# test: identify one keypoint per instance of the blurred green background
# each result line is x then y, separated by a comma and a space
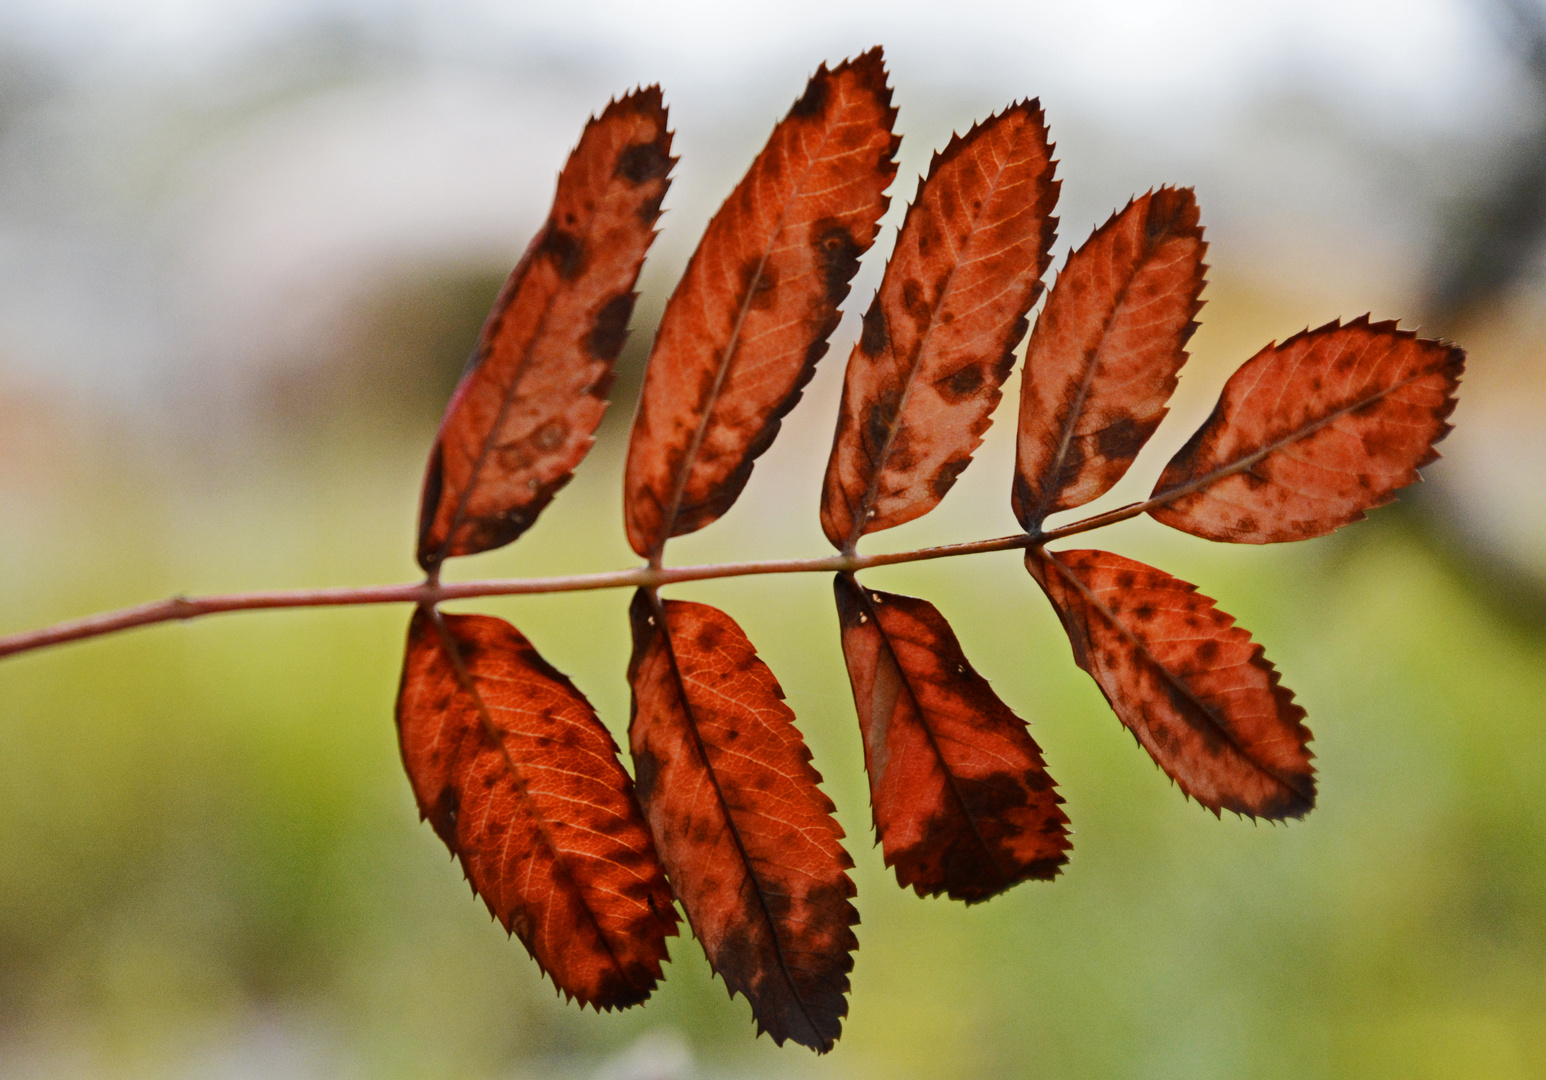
243, 258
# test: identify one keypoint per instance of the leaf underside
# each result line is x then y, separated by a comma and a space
747, 837
516, 774
525, 413
961, 798
1105, 353
939, 337
1310, 434
741, 335
1192, 687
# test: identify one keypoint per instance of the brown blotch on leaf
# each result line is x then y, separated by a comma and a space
961, 384
566, 251
873, 340
610, 331
838, 254
759, 280
643, 163
1123, 438
814, 100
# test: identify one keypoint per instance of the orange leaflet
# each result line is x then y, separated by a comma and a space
939, 337
742, 333
747, 837
962, 800
1105, 352
510, 765
1188, 683
1309, 434
525, 412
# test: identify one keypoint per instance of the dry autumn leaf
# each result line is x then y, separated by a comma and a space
525, 412
1105, 352
962, 801
1190, 685
511, 766
747, 837
741, 335
939, 337
1309, 434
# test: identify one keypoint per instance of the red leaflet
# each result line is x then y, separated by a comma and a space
1309, 434
747, 837
1105, 352
524, 414
510, 765
962, 800
939, 337
742, 333
1188, 683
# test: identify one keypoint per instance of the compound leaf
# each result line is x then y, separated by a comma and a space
1309, 434
747, 837
939, 337
525, 412
1188, 683
1103, 358
516, 774
741, 335
962, 801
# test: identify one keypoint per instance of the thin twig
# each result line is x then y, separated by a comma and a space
183, 608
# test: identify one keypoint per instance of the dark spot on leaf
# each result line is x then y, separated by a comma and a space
646, 770
814, 352
551, 435
442, 816
874, 339
837, 253
1208, 651
710, 635
565, 250
649, 209
913, 301
990, 796
1123, 439
758, 280
610, 331
882, 414
642, 163
1167, 207
814, 100
948, 473
960, 384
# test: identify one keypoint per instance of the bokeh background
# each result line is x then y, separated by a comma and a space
244, 250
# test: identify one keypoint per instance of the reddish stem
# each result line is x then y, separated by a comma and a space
181, 608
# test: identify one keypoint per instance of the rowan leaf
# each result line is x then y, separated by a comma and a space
516, 774
1310, 434
747, 837
741, 335
939, 337
526, 410
961, 798
1190, 685
1103, 358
